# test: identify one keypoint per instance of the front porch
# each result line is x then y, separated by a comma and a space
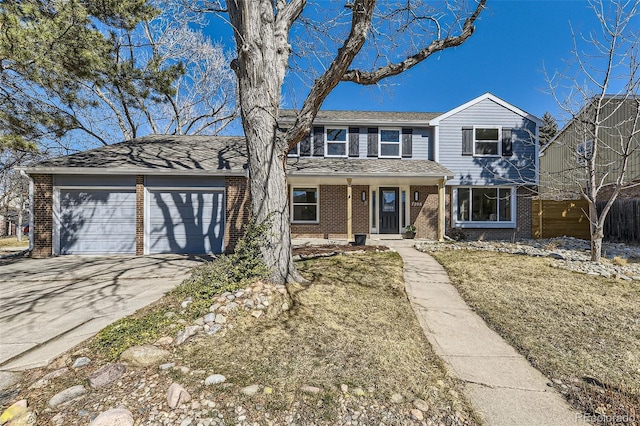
336, 209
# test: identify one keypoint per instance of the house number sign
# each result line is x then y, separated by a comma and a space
416, 204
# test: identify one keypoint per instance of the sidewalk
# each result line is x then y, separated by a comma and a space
503, 387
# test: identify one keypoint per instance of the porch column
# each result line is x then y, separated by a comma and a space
349, 211
441, 211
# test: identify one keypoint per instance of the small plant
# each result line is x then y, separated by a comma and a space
228, 272
410, 228
620, 261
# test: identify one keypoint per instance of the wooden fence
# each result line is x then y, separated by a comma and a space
623, 221
552, 218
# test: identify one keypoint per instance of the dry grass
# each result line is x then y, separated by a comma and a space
571, 326
353, 326
13, 242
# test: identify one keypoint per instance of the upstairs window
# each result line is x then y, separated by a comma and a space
487, 141
389, 143
336, 141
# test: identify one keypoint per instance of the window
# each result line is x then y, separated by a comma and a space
584, 151
295, 151
485, 205
389, 143
304, 205
336, 142
486, 141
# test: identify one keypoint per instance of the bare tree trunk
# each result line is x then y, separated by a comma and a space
19, 227
263, 54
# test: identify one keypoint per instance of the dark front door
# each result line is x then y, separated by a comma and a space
389, 223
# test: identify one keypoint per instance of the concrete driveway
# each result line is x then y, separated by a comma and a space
50, 305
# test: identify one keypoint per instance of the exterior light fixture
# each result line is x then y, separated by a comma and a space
416, 196
364, 196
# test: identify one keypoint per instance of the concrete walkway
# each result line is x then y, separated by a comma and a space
50, 305
501, 384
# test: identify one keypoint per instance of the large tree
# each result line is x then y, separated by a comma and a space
548, 129
96, 72
600, 93
359, 41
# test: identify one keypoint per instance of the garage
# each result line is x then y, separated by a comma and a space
184, 215
90, 220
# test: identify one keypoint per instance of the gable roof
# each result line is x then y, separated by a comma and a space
216, 155
363, 117
436, 120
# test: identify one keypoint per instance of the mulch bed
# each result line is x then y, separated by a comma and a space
332, 249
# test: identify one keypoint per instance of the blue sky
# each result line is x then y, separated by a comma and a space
514, 41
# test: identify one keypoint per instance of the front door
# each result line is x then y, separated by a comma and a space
389, 215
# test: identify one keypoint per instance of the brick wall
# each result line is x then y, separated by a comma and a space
42, 216
424, 213
237, 209
333, 214
523, 222
139, 215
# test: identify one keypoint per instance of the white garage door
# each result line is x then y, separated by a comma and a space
97, 221
185, 221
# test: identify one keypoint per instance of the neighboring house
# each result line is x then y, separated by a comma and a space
563, 159
356, 173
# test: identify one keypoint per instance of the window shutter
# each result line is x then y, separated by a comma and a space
305, 146
354, 142
372, 142
407, 143
467, 141
318, 141
507, 142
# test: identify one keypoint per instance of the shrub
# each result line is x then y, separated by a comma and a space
228, 272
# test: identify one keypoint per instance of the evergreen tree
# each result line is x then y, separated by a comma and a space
549, 128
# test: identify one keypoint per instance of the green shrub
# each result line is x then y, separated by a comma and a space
228, 272
114, 339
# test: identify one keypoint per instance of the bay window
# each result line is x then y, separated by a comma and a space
482, 206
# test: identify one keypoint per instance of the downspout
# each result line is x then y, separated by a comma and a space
31, 231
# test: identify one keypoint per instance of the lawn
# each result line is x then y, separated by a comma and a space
581, 331
351, 334
13, 242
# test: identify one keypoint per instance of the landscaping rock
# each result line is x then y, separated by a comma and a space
396, 398
213, 329
256, 314
164, 341
417, 414
106, 374
220, 319
344, 388
81, 362
114, 417
48, 377
250, 390
186, 334
167, 366
18, 414
421, 405
209, 318
311, 390
67, 395
8, 379
177, 395
358, 392
214, 379
144, 355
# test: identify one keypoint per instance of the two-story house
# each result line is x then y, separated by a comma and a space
356, 173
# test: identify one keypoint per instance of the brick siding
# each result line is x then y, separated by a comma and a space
424, 213
42, 215
139, 215
333, 214
237, 209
